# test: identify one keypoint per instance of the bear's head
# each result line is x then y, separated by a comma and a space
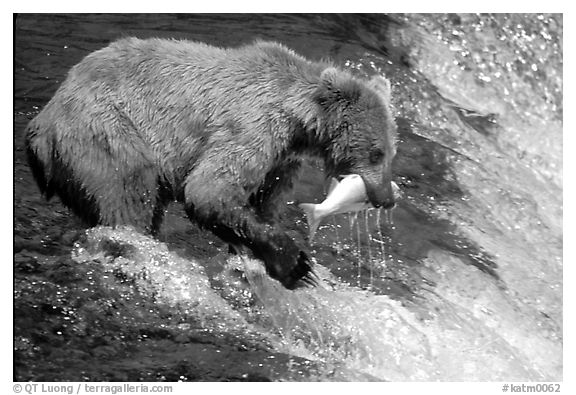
358, 131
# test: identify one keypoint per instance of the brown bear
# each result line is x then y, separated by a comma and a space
140, 123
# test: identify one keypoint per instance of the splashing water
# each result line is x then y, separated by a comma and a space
379, 336
349, 330
368, 243
179, 283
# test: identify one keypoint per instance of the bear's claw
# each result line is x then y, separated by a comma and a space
303, 273
285, 262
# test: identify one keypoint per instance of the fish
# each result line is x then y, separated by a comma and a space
348, 195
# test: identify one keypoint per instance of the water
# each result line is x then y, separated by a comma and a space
463, 283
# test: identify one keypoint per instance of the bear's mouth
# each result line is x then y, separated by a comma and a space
380, 196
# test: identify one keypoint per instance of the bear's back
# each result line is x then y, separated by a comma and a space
154, 58
239, 79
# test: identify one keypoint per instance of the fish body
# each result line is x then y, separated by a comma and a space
348, 195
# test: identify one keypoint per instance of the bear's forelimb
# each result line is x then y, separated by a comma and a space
222, 210
284, 259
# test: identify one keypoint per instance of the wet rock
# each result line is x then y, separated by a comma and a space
104, 352
69, 237
116, 249
25, 262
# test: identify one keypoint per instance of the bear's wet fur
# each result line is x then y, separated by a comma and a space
141, 123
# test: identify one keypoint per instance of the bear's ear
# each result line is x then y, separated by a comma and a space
382, 86
337, 89
328, 76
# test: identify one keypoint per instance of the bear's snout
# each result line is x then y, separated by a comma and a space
380, 195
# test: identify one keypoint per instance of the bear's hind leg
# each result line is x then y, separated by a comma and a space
138, 204
109, 186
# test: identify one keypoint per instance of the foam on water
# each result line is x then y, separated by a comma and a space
448, 338
163, 275
467, 328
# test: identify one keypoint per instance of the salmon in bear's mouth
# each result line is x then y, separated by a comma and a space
348, 195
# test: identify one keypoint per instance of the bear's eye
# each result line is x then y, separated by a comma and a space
376, 156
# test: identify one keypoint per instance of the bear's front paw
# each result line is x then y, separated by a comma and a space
285, 261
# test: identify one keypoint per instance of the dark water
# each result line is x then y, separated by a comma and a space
464, 282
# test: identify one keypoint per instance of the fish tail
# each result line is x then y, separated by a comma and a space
313, 222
